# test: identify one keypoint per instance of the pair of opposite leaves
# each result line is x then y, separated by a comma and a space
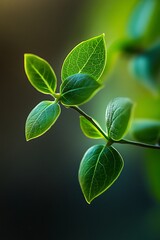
80, 75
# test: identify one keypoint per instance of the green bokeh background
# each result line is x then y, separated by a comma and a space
40, 197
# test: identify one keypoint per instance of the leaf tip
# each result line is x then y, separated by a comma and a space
88, 200
26, 55
27, 138
103, 35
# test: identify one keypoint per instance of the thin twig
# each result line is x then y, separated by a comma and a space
122, 141
145, 145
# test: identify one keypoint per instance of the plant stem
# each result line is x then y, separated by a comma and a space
79, 110
145, 145
109, 141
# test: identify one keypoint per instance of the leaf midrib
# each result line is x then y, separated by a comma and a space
77, 89
89, 57
44, 80
90, 189
40, 116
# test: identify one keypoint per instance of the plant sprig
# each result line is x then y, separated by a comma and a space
81, 71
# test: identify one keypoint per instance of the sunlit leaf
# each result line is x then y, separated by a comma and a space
88, 57
40, 74
99, 168
78, 89
41, 118
118, 115
89, 129
146, 130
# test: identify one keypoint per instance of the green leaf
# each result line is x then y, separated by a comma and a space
146, 67
146, 130
99, 168
140, 18
118, 115
88, 57
78, 89
40, 74
41, 118
89, 129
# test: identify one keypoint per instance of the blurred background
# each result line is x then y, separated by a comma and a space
40, 197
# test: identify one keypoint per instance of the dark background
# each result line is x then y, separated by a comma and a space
40, 197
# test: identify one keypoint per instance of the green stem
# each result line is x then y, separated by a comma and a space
109, 141
145, 145
79, 110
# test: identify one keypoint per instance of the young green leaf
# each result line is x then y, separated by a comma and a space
99, 168
41, 118
88, 57
89, 129
146, 130
118, 115
78, 89
40, 74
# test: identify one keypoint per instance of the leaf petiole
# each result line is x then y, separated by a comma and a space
109, 141
145, 145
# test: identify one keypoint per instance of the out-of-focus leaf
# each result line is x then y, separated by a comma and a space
146, 130
140, 18
146, 67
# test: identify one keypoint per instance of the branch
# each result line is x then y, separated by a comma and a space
145, 145
110, 141
90, 119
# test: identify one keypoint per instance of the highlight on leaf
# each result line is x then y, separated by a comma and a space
89, 129
41, 118
99, 168
88, 57
78, 89
40, 74
118, 116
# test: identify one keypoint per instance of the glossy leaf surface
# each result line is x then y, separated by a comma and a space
118, 115
40, 74
146, 130
78, 89
99, 168
88, 57
41, 118
89, 129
